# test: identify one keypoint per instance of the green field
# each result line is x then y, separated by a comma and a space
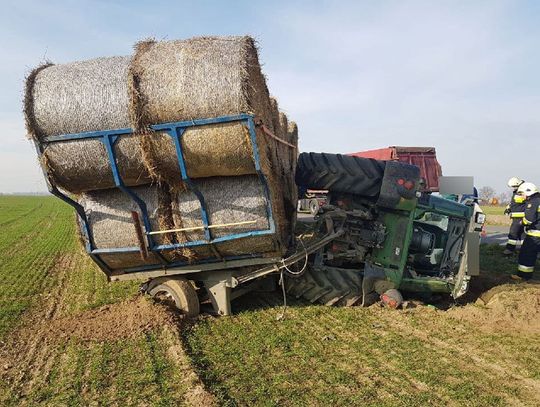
65, 339
46, 278
495, 216
493, 210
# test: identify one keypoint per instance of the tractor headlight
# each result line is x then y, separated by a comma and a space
480, 218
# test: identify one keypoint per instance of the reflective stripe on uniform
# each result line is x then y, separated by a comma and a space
519, 199
512, 242
533, 232
526, 222
525, 269
517, 214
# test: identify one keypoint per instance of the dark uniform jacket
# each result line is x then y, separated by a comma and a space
531, 220
517, 206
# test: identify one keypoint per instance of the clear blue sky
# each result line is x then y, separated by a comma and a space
463, 76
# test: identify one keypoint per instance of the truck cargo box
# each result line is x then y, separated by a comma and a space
423, 157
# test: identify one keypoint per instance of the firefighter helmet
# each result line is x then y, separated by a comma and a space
515, 182
527, 189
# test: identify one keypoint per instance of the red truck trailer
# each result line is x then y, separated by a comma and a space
423, 157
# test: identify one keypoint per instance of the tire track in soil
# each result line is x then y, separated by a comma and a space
29, 354
196, 394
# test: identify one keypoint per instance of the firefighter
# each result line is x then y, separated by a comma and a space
516, 210
531, 221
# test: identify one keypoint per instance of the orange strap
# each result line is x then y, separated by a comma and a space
270, 134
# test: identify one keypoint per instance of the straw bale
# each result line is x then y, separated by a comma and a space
274, 116
271, 170
83, 165
118, 261
77, 97
280, 175
195, 79
28, 102
283, 126
292, 138
80, 96
213, 150
228, 200
109, 215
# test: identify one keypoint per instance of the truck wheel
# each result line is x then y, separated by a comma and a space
330, 286
314, 207
339, 173
175, 291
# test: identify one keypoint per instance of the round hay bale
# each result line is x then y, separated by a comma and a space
283, 126
292, 130
83, 165
215, 150
228, 200
195, 79
274, 112
109, 215
77, 97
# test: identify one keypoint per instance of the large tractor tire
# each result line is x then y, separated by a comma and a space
339, 173
177, 292
329, 286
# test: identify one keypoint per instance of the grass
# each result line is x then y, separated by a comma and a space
315, 356
493, 210
33, 232
353, 356
40, 259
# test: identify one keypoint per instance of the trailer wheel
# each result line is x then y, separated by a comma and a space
177, 292
340, 173
314, 207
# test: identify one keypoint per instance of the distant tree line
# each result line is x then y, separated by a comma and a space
489, 196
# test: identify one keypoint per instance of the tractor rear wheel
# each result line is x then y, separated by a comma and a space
328, 286
340, 173
177, 292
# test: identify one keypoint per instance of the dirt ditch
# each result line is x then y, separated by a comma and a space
111, 322
513, 308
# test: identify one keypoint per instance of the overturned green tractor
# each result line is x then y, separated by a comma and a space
392, 236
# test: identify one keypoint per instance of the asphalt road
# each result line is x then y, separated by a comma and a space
496, 235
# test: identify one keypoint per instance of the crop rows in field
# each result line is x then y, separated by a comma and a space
329, 356
33, 232
36, 237
45, 279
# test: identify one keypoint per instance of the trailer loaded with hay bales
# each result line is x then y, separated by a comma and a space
184, 174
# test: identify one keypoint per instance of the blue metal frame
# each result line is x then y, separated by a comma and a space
175, 130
